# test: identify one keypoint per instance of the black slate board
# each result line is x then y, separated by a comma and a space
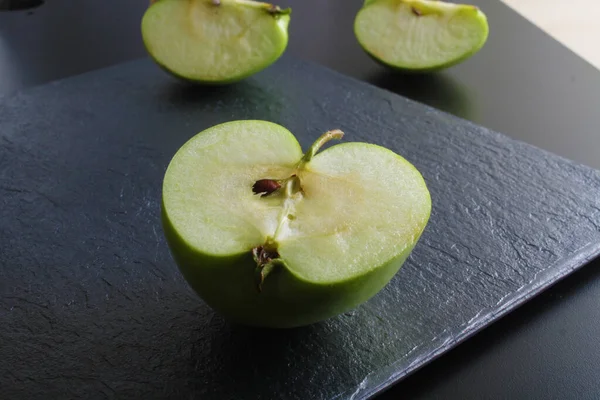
93, 306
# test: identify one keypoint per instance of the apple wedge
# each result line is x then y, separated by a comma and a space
214, 41
420, 35
269, 236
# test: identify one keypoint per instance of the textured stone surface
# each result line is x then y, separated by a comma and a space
92, 305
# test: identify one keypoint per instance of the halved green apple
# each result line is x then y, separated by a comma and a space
214, 41
420, 35
269, 236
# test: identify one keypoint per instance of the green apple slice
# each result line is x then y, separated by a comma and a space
214, 41
420, 35
269, 236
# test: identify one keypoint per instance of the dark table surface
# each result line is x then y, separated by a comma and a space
523, 83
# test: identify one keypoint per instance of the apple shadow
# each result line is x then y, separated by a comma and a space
18, 5
259, 362
434, 89
183, 93
248, 99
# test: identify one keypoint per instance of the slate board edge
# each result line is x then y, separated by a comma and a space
544, 281
547, 278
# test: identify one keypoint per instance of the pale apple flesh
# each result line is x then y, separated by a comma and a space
340, 226
420, 35
214, 41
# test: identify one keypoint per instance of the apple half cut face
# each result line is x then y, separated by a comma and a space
214, 41
420, 35
270, 236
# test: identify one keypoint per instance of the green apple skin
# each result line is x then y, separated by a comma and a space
227, 285
469, 10
282, 37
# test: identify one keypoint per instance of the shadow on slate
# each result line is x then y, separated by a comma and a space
93, 305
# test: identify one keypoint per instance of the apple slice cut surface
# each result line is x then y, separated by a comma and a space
361, 204
214, 41
420, 35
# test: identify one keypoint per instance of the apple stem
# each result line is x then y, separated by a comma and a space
276, 10
316, 146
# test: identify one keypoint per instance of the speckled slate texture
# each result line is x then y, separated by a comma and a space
92, 305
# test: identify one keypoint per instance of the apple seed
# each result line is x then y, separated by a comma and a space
265, 186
